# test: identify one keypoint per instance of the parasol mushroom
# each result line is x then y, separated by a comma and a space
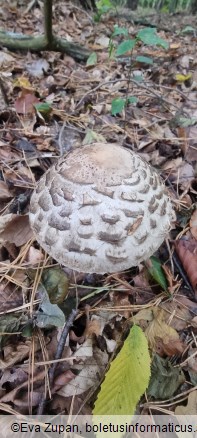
100, 209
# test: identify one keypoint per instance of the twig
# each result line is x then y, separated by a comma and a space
3, 92
182, 273
58, 355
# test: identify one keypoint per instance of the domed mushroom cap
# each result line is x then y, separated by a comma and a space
100, 209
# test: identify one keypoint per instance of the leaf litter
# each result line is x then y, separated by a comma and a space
52, 104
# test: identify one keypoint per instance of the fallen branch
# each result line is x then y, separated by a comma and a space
48, 41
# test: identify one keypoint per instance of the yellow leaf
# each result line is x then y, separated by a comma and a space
183, 78
126, 380
23, 82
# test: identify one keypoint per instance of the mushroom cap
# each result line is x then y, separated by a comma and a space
100, 209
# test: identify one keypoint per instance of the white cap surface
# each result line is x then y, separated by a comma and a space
100, 209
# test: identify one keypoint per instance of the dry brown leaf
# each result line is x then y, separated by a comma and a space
173, 284
87, 377
193, 224
194, 322
178, 314
187, 253
142, 280
157, 328
12, 395
21, 176
15, 377
192, 360
184, 302
4, 191
11, 249
169, 348
143, 317
186, 175
92, 327
34, 256
4, 220
6, 59
23, 401
16, 353
63, 379
9, 296
24, 104
172, 164
190, 408
17, 230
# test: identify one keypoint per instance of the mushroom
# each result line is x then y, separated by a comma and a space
100, 209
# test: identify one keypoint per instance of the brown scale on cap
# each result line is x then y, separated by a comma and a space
100, 209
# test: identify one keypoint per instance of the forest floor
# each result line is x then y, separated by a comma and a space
49, 103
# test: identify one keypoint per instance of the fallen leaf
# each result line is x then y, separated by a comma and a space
86, 379
9, 324
17, 230
4, 220
93, 327
158, 329
191, 366
165, 379
34, 256
16, 353
170, 347
187, 253
193, 224
24, 104
6, 59
38, 68
179, 314
63, 379
4, 191
10, 298
48, 315
15, 376
56, 283
190, 408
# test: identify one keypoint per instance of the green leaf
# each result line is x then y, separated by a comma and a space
125, 47
188, 29
144, 60
148, 36
92, 59
8, 324
101, 3
165, 379
92, 136
154, 267
185, 122
117, 106
119, 31
43, 108
127, 378
104, 6
56, 284
27, 330
48, 315
138, 78
132, 99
